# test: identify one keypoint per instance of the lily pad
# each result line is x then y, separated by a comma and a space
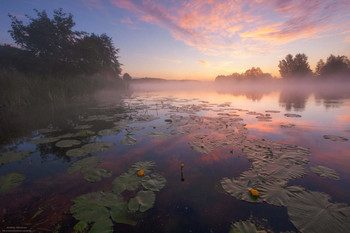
89, 148
96, 174
143, 201
13, 156
201, 147
108, 132
10, 181
84, 164
44, 140
68, 143
94, 208
153, 182
325, 172
277, 194
83, 127
128, 141
127, 181
48, 130
84, 133
146, 166
292, 115
287, 125
239, 189
312, 212
157, 134
243, 227
335, 138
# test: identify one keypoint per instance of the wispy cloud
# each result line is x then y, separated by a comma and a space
204, 63
238, 27
127, 20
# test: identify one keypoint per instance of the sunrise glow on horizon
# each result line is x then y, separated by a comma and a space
201, 39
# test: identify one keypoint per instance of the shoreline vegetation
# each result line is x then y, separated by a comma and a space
52, 63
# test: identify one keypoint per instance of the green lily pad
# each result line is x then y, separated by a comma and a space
83, 127
84, 133
13, 156
239, 189
128, 141
201, 147
48, 130
108, 132
44, 140
68, 143
157, 134
153, 182
146, 166
10, 181
312, 212
243, 227
143, 201
88, 167
277, 194
127, 181
89, 148
94, 208
335, 138
325, 172
96, 174
84, 164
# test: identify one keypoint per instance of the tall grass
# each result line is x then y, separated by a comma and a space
19, 89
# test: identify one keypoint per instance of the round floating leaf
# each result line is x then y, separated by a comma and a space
67, 143
157, 134
83, 127
104, 225
325, 172
89, 148
44, 140
202, 147
143, 201
96, 174
312, 212
48, 130
10, 181
77, 152
335, 138
126, 181
81, 226
292, 115
108, 132
239, 189
13, 156
128, 141
146, 166
154, 182
84, 133
243, 227
277, 193
84, 164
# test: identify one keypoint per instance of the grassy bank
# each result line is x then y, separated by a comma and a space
19, 89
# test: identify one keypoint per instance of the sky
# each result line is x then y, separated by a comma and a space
200, 39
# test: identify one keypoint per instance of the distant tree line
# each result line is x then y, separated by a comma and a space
297, 67
253, 74
51, 46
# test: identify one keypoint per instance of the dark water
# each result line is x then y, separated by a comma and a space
195, 201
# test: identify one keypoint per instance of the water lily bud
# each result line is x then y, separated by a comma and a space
182, 165
254, 192
141, 173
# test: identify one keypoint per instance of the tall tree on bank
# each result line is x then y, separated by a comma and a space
297, 67
59, 49
335, 65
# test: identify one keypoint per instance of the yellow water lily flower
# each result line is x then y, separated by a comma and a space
254, 192
182, 165
141, 173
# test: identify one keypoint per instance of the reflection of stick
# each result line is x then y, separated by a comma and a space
182, 172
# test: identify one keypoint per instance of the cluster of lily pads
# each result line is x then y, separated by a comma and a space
273, 165
97, 210
11, 180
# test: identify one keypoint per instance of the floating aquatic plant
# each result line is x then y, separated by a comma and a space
108, 132
128, 141
325, 172
335, 138
89, 148
12, 156
244, 227
153, 182
10, 181
312, 212
157, 134
143, 201
68, 143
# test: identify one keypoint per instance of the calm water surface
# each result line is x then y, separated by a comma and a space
193, 201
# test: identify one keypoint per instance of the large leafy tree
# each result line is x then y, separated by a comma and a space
60, 49
335, 65
296, 67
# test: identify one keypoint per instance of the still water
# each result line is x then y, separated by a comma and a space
227, 143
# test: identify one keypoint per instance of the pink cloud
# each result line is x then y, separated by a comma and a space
236, 27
